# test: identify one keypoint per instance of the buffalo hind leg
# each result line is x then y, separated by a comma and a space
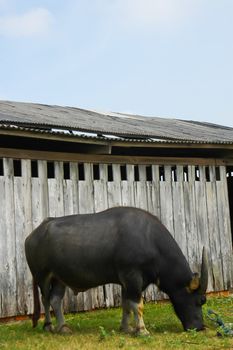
45, 286
56, 296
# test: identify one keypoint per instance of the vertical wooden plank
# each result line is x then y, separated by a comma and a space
27, 198
71, 206
140, 189
142, 172
153, 199
141, 201
86, 205
70, 303
27, 203
178, 210
74, 179
9, 293
52, 196
70, 191
153, 192
114, 187
60, 204
19, 232
127, 187
100, 189
57, 194
101, 203
166, 200
3, 250
202, 219
224, 228
36, 203
86, 191
166, 207
39, 202
43, 189
40, 197
102, 295
213, 230
23, 227
68, 197
191, 220
114, 200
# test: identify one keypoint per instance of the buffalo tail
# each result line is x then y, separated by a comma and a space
37, 309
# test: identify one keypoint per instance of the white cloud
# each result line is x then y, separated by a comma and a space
155, 13
36, 22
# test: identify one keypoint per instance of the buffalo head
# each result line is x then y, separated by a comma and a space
188, 300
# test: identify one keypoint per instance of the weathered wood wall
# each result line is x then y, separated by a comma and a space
191, 201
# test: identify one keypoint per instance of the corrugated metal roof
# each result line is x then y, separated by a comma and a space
45, 117
105, 138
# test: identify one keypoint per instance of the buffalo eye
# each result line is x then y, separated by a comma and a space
201, 300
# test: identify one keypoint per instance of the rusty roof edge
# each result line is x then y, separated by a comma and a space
124, 136
112, 138
151, 131
45, 126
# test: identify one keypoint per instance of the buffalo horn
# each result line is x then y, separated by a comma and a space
204, 272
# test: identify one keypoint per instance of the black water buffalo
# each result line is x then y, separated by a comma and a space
122, 245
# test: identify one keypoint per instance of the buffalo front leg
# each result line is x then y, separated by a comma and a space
137, 309
132, 282
125, 327
138, 316
56, 296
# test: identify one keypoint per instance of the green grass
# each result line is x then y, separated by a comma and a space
99, 330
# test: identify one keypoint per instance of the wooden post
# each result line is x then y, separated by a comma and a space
191, 220
140, 189
224, 228
9, 243
178, 209
214, 236
127, 187
166, 200
115, 200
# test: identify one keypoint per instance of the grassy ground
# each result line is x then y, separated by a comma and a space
99, 330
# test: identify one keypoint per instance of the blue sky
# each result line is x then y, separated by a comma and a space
168, 58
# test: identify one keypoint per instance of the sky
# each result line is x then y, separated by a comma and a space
167, 58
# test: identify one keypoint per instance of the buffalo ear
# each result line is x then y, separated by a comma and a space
194, 283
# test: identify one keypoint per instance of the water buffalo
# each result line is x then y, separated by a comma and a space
122, 245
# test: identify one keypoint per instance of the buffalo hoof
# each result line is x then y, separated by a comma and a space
64, 329
142, 332
127, 330
48, 327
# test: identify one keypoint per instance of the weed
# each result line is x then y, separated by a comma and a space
122, 342
103, 334
193, 333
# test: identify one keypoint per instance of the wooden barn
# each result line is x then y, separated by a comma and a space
58, 161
